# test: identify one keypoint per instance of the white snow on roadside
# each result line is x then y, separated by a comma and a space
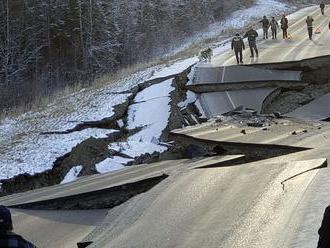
72, 175
241, 18
300, 13
151, 112
135, 148
175, 68
191, 97
238, 20
37, 153
112, 164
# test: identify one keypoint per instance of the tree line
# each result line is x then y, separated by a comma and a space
48, 44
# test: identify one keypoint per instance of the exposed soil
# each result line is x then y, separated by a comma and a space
315, 73
288, 100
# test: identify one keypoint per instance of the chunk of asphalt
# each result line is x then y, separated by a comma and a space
100, 199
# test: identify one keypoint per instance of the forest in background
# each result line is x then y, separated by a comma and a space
46, 45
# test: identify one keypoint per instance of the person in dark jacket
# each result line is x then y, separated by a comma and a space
322, 7
265, 26
237, 44
309, 22
324, 231
252, 35
274, 25
8, 239
284, 26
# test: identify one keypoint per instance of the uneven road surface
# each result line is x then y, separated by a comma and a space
267, 203
297, 48
243, 205
223, 70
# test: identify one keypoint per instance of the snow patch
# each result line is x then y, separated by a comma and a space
191, 97
37, 153
112, 164
151, 112
72, 174
135, 148
175, 68
241, 18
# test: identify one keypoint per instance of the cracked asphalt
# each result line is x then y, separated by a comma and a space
234, 206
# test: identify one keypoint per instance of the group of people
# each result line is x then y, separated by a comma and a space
274, 26
238, 45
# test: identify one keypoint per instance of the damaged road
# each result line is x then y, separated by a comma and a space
216, 200
234, 181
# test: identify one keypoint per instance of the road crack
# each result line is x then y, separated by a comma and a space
325, 164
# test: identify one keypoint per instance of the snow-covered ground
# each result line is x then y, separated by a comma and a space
33, 153
240, 20
175, 68
72, 174
112, 164
24, 150
151, 111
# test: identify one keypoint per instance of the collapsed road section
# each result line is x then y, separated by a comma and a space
223, 89
266, 88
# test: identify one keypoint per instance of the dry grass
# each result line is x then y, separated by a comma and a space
40, 103
43, 101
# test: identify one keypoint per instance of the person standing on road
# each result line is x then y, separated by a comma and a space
237, 44
265, 26
309, 22
8, 239
274, 25
324, 240
322, 7
252, 35
284, 26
